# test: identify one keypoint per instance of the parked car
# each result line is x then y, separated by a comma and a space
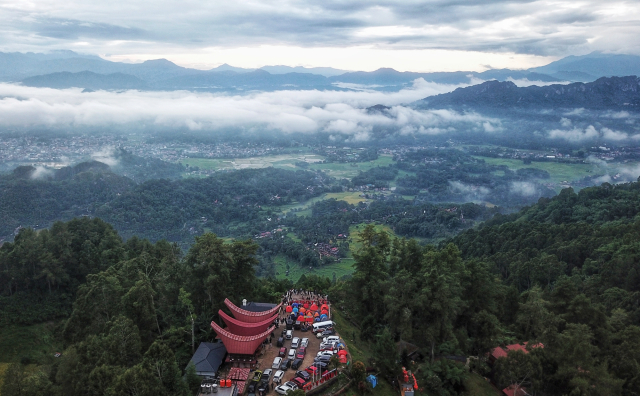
285, 364
325, 346
304, 342
256, 376
276, 362
280, 342
323, 358
277, 377
282, 352
322, 366
299, 381
263, 386
312, 370
252, 388
267, 374
289, 334
329, 353
328, 332
295, 343
331, 338
301, 352
286, 388
296, 364
292, 354
304, 375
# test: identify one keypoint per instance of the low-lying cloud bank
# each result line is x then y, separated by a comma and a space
332, 112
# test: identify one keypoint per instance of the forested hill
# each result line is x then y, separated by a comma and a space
562, 276
604, 93
175, 210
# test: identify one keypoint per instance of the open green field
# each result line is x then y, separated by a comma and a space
304, 208
347, 171
287, 161
341, 268
354, 234
559, 172
284, 161
36, 343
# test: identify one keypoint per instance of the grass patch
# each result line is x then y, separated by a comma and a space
559, 171
476, 385
340, 268
354, 234
349, 170
283, 161
36, 343
3, 369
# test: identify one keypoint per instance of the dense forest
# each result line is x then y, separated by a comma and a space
561, 275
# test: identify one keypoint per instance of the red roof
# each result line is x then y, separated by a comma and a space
245, 329
511, 391
517, 347
248, 316
241, 345
498, 352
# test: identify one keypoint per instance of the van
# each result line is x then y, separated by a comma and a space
321, 326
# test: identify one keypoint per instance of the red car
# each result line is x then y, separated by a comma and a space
283, 352
299, 381
313, 370
301, 352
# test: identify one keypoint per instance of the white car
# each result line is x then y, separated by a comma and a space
277, 378
331, 339
292, 354
276, 362
304, 342
285, 388
266, 374
328, 353
295, 343
289, 334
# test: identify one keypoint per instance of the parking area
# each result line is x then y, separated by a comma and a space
272, 350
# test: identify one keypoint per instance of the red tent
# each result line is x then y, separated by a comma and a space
309, 319
313, 307
306, 305
342, 352
289, 308
302, 310
324, 306
300, 318
324, 312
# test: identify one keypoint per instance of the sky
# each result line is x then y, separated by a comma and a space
411, 35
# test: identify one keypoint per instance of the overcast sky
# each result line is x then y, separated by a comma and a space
432, 35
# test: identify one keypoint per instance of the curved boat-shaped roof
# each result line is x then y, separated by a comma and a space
240, 345
238, 327
248, 316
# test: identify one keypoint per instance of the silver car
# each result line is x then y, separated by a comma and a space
276, 362
277, 378
304, 342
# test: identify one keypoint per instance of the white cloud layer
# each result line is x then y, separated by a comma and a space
334, 112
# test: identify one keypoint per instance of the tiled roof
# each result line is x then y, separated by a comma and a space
238, 327
248, 316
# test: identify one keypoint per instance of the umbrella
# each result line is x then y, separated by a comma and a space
289, 308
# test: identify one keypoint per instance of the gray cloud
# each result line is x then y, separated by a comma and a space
540, 27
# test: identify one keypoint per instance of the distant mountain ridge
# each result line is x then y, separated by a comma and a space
604, 93
87, 80
161, 74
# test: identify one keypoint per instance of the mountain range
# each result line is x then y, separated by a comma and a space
63, 69
620, 93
